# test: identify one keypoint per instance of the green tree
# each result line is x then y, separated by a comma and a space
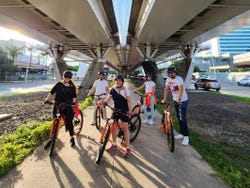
13, 52
6, 64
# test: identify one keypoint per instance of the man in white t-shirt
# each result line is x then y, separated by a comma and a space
176, 85
99, 87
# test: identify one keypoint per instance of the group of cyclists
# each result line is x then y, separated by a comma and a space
66, 92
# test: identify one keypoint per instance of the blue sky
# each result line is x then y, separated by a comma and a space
122, 10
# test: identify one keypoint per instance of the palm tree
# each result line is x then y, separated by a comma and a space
13, 52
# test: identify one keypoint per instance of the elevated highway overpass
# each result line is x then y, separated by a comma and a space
157, 29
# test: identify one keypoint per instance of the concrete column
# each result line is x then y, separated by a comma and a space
187, 67
150, 66
59, 53
90, 77
124, 71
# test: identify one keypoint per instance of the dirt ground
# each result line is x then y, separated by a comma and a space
217, 117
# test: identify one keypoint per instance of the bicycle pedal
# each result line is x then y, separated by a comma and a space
123, 144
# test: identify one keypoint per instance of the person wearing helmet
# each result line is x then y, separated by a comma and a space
176, 85
65, 91
122, 101
150, 99
99, 87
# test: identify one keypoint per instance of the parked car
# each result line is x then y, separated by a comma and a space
244, 82
207, 83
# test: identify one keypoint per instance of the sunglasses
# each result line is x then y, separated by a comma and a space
171, 72
68, 77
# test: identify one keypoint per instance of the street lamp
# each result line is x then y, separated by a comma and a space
28, 65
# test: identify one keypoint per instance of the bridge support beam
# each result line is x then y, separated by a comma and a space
59, 53
187, 67
150, 66
89, 78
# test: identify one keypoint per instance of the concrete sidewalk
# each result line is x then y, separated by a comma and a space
151, 164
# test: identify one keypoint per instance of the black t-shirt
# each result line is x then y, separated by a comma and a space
64, 94
119, 100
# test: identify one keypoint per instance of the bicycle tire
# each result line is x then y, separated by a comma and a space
53, 138
170, 136
136, 109
134, 126
78, 124
98, 116
101, 149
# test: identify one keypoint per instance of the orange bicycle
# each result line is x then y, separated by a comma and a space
112, 123
99, 111
168, 126
57, 123
138, 108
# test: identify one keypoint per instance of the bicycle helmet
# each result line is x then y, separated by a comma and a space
119, 77
149, 74
67, 74
101, 72
171, 69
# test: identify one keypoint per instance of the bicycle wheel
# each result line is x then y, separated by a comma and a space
102, 146
134, 126
170, 136
136, 109
78, 124
98, 117
53, 137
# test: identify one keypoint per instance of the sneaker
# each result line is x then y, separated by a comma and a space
92, 123
178, 136
72, 141
145, 121
185, 141
112, 148
46, 146
150, 122
128, 153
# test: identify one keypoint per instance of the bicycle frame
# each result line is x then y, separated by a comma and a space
167, 118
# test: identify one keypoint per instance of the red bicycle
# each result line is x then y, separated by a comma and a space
58, 121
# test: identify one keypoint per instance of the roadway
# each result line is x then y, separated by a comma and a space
11, 88
150, 165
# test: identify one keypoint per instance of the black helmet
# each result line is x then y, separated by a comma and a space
67, 74
149, 74
120, 77
171, 69
101, 72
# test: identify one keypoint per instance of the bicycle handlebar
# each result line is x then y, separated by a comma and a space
99, 95
115, 110
136, 92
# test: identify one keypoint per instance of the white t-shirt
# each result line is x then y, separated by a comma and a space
100, 87
149, 86
173, 84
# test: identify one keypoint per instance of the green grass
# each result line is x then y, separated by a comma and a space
239, 98
18, 145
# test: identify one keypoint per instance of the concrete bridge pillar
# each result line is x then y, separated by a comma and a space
187, 67
91, 75
59, 53
150, 66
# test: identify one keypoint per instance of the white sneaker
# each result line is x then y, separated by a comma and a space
92, 123
145, 121
185, 141
150, 122
178, 136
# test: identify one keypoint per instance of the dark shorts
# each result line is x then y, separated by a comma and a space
122, 117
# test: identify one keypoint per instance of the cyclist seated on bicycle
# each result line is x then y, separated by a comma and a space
65, 92
122, 102
99, 87
150, 99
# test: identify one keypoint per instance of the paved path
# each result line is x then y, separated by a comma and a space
151, 164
